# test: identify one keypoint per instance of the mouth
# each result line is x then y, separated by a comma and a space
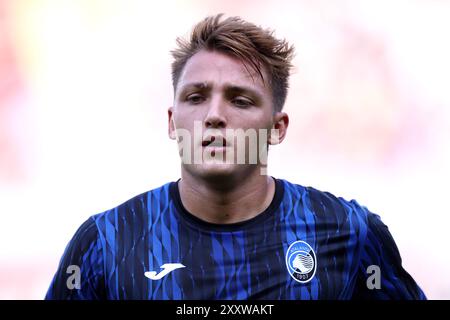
214, 141
215, 144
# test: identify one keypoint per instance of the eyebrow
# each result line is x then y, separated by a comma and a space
197, 85
228, 87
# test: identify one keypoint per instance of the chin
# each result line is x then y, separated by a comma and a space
211, 171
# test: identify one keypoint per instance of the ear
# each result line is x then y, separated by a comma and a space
279, 128
172, 134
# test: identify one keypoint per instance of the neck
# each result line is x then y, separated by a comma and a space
228, 200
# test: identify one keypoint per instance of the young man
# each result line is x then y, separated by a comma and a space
226, 230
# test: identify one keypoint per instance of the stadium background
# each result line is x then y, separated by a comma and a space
85, 85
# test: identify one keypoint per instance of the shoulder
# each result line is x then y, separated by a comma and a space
327, 207
139, 207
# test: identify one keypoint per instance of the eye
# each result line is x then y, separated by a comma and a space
195, 99
242, 102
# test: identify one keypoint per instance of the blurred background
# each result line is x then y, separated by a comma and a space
84, 91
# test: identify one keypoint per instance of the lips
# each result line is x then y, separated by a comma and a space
214, 141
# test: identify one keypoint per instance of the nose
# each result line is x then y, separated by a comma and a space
215, 117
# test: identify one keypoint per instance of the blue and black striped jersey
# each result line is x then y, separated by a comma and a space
307, 244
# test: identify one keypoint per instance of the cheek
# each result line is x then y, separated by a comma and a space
181, 119
187, 125
186, 117
261, 122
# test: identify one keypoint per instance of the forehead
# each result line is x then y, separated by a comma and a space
218, 68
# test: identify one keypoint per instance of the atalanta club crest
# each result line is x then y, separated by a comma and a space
301, 261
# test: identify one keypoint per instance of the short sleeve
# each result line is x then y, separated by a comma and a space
84, 255
380, 254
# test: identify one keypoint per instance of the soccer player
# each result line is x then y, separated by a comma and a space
226, 229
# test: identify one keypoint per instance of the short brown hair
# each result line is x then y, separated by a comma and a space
251, 44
